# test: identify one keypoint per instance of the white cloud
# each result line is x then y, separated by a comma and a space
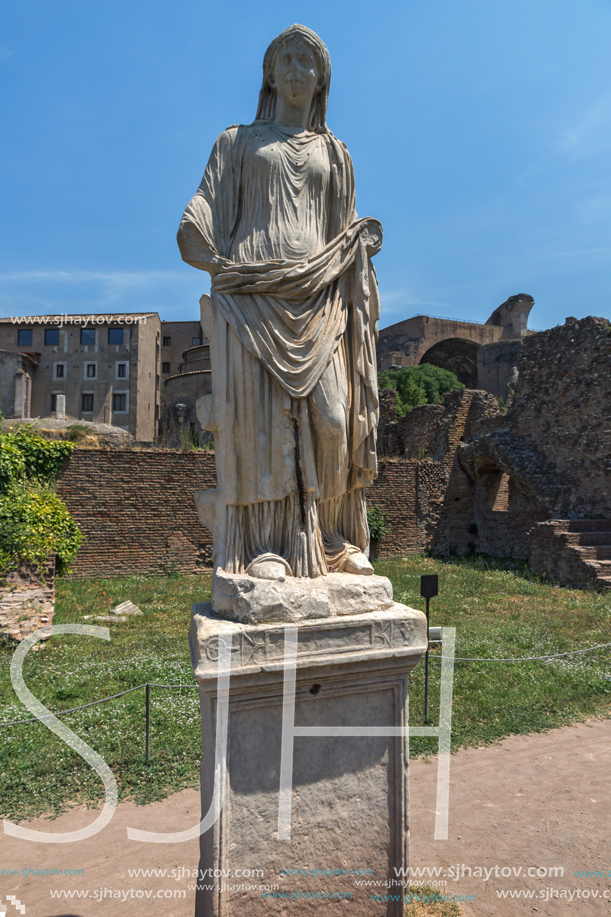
591, 133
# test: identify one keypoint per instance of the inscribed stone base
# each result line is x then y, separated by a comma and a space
349, 812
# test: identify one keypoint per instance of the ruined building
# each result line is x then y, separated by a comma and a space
480, 355
535, 482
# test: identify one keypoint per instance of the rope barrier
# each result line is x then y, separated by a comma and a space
589, 649
93, 703
153, 684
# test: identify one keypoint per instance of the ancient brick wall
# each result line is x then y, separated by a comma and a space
136, 510
138, 516
411, 495
434, 430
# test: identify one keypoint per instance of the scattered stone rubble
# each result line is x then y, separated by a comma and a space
118, 615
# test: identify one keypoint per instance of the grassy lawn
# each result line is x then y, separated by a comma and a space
498, 608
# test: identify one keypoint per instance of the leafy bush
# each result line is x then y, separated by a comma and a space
424, 384
12, 462
34, 522
379, 523
24, 454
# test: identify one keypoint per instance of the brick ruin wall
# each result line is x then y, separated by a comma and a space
137, 513
136, 510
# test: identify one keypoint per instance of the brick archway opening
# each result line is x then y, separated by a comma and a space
457, 355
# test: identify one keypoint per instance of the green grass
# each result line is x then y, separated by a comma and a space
39, 773
499, 609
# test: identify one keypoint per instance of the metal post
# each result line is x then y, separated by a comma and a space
148, 722
429, 586
426, 666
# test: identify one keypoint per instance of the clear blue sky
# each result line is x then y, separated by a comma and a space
480, 132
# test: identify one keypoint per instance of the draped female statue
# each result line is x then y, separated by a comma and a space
292, 323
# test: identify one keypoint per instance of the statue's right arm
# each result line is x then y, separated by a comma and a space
205, 230
194, 249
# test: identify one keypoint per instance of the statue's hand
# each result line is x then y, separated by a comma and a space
371, 235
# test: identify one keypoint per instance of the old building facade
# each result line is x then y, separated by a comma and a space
112, 369
106, 366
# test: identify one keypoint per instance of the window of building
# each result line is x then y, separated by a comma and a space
87, 402
167, 342
121, 370
119, 402
165, 367
52, 336
88, 336
195, 341
59, 370
115, 335
91, 370
24, 337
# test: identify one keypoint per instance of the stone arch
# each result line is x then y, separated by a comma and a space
458, 355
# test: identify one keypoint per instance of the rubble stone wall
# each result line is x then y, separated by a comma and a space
562, 408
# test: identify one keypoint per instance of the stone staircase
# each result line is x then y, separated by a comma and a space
575, 551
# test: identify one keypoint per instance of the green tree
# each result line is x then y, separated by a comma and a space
424, 384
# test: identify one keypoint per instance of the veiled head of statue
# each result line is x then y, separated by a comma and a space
284, 45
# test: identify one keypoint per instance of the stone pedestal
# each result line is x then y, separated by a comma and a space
349, 800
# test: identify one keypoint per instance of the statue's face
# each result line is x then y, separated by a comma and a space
296, 73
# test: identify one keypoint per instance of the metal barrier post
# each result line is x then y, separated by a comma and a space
148, 722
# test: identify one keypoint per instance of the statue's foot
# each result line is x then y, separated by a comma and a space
269, 566
356, 562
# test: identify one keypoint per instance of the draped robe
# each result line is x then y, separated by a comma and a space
292, 341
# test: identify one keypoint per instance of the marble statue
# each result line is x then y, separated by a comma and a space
292, 323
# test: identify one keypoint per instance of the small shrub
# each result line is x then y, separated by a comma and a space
503, 406
77, 432
34, 523
24, 454
379, 523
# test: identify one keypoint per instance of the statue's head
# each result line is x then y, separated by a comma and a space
310, 53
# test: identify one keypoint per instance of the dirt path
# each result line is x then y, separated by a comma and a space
533, 801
